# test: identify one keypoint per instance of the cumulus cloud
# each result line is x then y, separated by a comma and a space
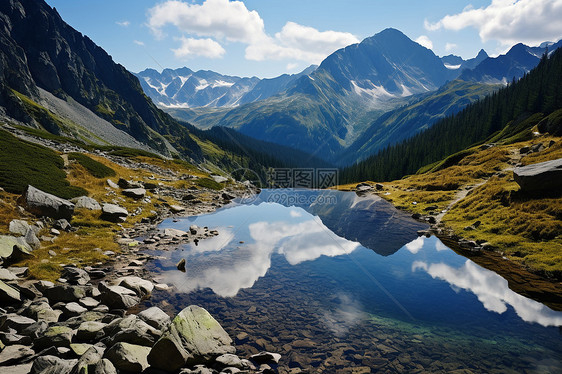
450, 46
425, 41
415, 245
509, 21
231, 21
222, 19
191, 47
138, 42
123, 23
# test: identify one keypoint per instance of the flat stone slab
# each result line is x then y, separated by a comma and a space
544, 176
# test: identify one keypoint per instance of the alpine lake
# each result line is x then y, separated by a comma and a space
338, 282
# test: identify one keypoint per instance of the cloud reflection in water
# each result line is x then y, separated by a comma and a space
492, 291
227, 269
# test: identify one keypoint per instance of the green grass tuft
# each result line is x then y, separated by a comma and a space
97, 169
23, 163
209, 183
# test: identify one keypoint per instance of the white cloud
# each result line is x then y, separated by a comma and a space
138, 42
425, 41
123, 23
191, 47
509, 21
450, 46
225, 20
299, 42
221, 19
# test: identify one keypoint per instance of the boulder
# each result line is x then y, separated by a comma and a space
128, 357
55, 336
13, 248
51, 365
117, 297
133, 330
90, 330
155, 317
18, 226
193, 337
8, 294
64, 293
86, 202
91, 357
123, 183
15, 322
75, 275
544, 176
18, 369
45, 204
40, 310
73, 309
135, 193
141, 286
175, 233
174, 208
114, 213
13, 354
230, 360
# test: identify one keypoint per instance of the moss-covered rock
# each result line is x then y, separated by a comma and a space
194, 337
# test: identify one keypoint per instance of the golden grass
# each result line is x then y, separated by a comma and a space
526, 229
8, 210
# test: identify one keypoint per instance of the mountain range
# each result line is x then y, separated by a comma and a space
367, 96
358, 101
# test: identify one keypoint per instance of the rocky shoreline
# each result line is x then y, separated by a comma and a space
98, 319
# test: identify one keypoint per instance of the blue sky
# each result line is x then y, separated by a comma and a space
266, 38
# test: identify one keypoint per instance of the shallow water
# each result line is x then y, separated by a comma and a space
335, 281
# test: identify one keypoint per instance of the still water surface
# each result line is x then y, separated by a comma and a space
336, 281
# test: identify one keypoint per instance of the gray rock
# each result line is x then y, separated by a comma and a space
73, 309
41, 310
13, 354
123, 183
51, 365
194, 337
181, 265
90, 331
128, 357
15, 322
544, 176
31, 239
112, 184
75, 275
80, 348
8, 294
65, 293
45, 204
18, 369
19, 271
13, 248
155, 317
10, 338
175, 233
89, 302
86, 202
140, 286
135, 193
230, 360
114, 213
133, 330
117, 297
88, 360
62, 224
55, 336
266, 357
7, 275
18, 226
176, 208
35, 330
105, 367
